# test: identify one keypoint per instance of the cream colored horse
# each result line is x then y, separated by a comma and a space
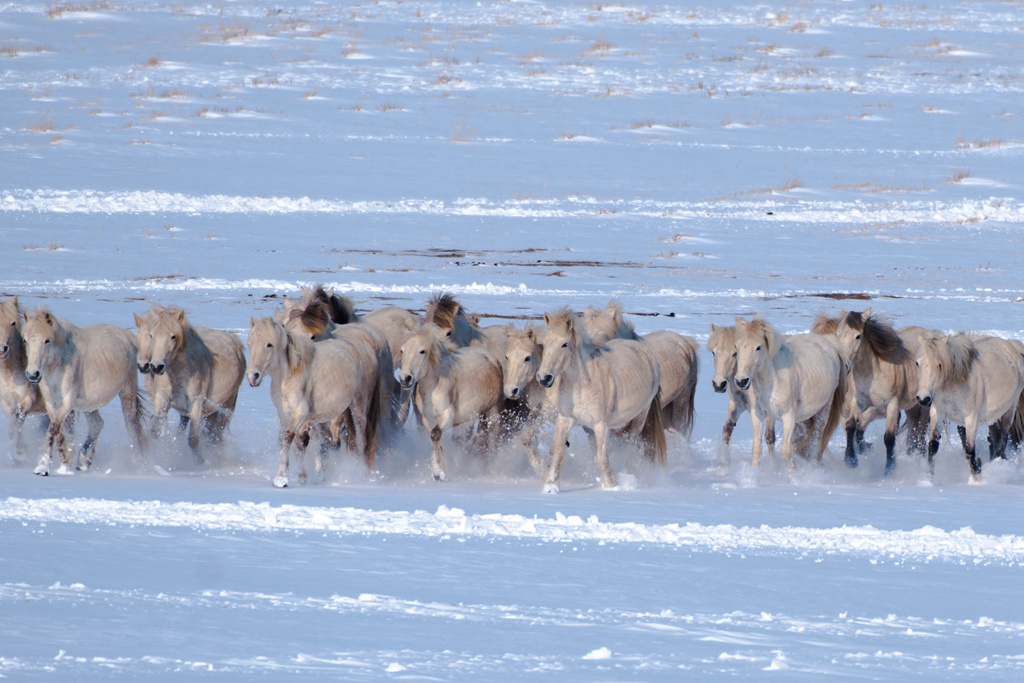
18, 396
882, 380
519, 368
453, 387
203, 368
604, 388
677, 360
722, 345
445, 311
791, 379
971, 381
321, 316
81, 368
310, 384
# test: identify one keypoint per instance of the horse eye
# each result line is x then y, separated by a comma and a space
174, 337
269, 345
448, 334
857, 337
527, 359
735, 353
47, 341
565, 345
758, 348
423, 352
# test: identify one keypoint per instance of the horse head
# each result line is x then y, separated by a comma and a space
419, 353
522, 360
722, 345
10, 327
757, 342
268, 346
144, 338
560, 341
168, 328
43, 334
943, 361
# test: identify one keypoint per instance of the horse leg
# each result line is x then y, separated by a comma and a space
131, 408
15, 430
756, 425
608, 479
87, 453
559, 442
851, 438
301, 444
53, 434
526, 436
968, 433
350, 431
915, 429
788, 425
437, 461
281, 480
195, 418
892, 425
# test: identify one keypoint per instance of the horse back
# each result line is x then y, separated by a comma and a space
228, 368
624, 377
998, 373
105, 357
807, 371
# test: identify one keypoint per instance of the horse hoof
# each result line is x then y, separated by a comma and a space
440, 476
280, 482
65, 471
42, 470
83, 466
550, 488
975, 480
851, 462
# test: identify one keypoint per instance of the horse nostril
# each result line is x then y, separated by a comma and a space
924, 400
159, 369
33, 376
546, 380
743, 383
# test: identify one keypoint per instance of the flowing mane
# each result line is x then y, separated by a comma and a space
825, 324
880, 337
314, 317
608, 323
722, 337
955, 353
340, 308
758, 327
443, 309
43, 316
565, 319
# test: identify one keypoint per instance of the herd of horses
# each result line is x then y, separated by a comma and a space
343, 379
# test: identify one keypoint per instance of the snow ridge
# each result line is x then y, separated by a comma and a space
927, 544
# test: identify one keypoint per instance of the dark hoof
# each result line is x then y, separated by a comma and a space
851, 461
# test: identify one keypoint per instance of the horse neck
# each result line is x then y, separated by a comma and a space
17, 358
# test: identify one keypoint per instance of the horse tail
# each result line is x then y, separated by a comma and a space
685, 403
653, 431
380, 409
137, 414
835, 411
1017, 426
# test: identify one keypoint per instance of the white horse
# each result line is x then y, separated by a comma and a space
81, 368
453, 387
310, 383
882, 380
722, 345
971, 382
203, 368
18, 396
604, 388
791, 379
519, 368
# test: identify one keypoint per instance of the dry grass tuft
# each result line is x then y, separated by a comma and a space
964, 143
960, 175
59, 9
44, 124
390, 107
461, 132
52, 246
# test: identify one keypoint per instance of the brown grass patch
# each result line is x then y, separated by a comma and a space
964, 143
461, 132
59, 9
959, 175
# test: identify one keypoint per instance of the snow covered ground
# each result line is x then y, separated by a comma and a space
695, 161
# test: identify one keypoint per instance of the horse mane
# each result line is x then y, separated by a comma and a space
315, 317
825, 324
957, 355
722, 336
759, 327
298, 351
440, 348
44, 316
340, 308
880, 337
564, 317
609, 323
442, 310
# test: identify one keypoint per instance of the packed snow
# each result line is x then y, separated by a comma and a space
694, 161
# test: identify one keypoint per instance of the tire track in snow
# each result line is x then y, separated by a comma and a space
927, 544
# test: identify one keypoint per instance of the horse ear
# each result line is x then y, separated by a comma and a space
529, 334
741, 324
49, 318
181, 316
569, 323
252, 321
865, 315
547, 319
138, 320
714, 328
14, 301
330, 293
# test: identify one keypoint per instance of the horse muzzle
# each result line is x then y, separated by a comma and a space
744, 383
158, 369
546, 381
407, 381
145, 368
5, 351
925, 401
719, 388
254, 379
512, 393
33, 377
